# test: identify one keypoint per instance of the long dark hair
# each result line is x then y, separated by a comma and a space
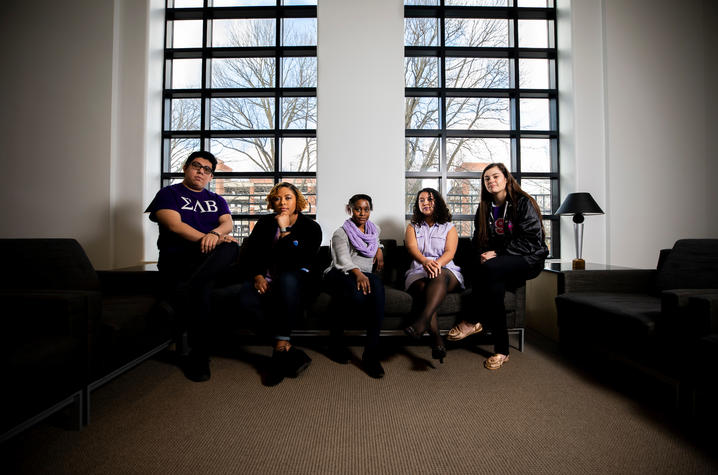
441, 213
513, 190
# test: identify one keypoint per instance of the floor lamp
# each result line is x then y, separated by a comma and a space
578, 205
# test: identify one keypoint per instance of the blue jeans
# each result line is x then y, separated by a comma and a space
280, 307
347, 299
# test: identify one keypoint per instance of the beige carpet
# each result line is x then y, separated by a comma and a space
535, 415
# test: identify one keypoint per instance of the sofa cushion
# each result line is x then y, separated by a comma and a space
691, 264
627, 317
397, 302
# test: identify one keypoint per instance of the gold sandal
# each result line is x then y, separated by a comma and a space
456, 334
496, 361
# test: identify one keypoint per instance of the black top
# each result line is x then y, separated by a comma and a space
522, 233
294, 251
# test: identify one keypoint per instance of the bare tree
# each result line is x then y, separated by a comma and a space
185, 116
460, 112
251, 113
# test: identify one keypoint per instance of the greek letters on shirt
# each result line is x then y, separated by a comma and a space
500, 224
210, 206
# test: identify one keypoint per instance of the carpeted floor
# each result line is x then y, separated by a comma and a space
535, 415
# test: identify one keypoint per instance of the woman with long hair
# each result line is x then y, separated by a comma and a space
510, 247
277, 256
355, 289
431, 240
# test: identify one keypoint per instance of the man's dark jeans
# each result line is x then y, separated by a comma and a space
190, 276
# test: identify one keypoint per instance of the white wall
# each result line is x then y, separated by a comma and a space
80, 110
651, 163
137, 120
129, 105
360, 96
56, 93
656, 112
582, 157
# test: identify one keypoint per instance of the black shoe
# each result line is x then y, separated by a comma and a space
275, 370
294, 362
371, 364
339, 354
438, 353
196, 367
412, 333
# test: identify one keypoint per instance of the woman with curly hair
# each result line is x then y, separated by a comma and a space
431, 240
277, 256
510, 246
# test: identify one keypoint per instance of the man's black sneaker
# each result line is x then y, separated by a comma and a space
295, 361
196, 367
371, 364
339, 354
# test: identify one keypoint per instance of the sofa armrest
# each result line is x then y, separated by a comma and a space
123, 282
703, 312
678, 320
676, 300
618, 280
48, 312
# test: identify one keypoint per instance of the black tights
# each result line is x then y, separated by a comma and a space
432, 292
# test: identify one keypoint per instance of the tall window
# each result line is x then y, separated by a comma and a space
240, 81
480, 79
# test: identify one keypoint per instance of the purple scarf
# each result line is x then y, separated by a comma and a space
367, 243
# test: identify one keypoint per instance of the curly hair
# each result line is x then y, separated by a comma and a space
441, 213
274, 194
513, 190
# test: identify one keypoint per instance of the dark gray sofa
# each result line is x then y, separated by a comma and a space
639, 316
704, 366
67, 329
398, 302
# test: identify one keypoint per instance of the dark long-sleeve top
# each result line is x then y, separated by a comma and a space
523, 234
296, 250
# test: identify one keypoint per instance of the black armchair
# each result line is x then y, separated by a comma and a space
50, 296
67, 330
644, 317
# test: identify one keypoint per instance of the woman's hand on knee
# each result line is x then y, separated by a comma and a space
261, 284
432, 268
487, 255
363, 284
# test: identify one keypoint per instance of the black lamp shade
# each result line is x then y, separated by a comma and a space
579, 203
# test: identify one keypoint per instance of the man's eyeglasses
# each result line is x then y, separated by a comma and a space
197, 166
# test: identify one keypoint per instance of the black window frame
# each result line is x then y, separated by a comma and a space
514, 93
205, 92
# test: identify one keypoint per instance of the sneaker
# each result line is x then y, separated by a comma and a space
294, 361
339, 354
196, 367
371, 364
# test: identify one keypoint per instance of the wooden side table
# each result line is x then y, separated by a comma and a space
541, 293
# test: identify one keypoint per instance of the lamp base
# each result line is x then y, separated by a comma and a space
578, 264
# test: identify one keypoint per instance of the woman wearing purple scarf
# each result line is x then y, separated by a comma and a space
354, 288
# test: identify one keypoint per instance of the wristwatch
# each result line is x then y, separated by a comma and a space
285, 230
215, 233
